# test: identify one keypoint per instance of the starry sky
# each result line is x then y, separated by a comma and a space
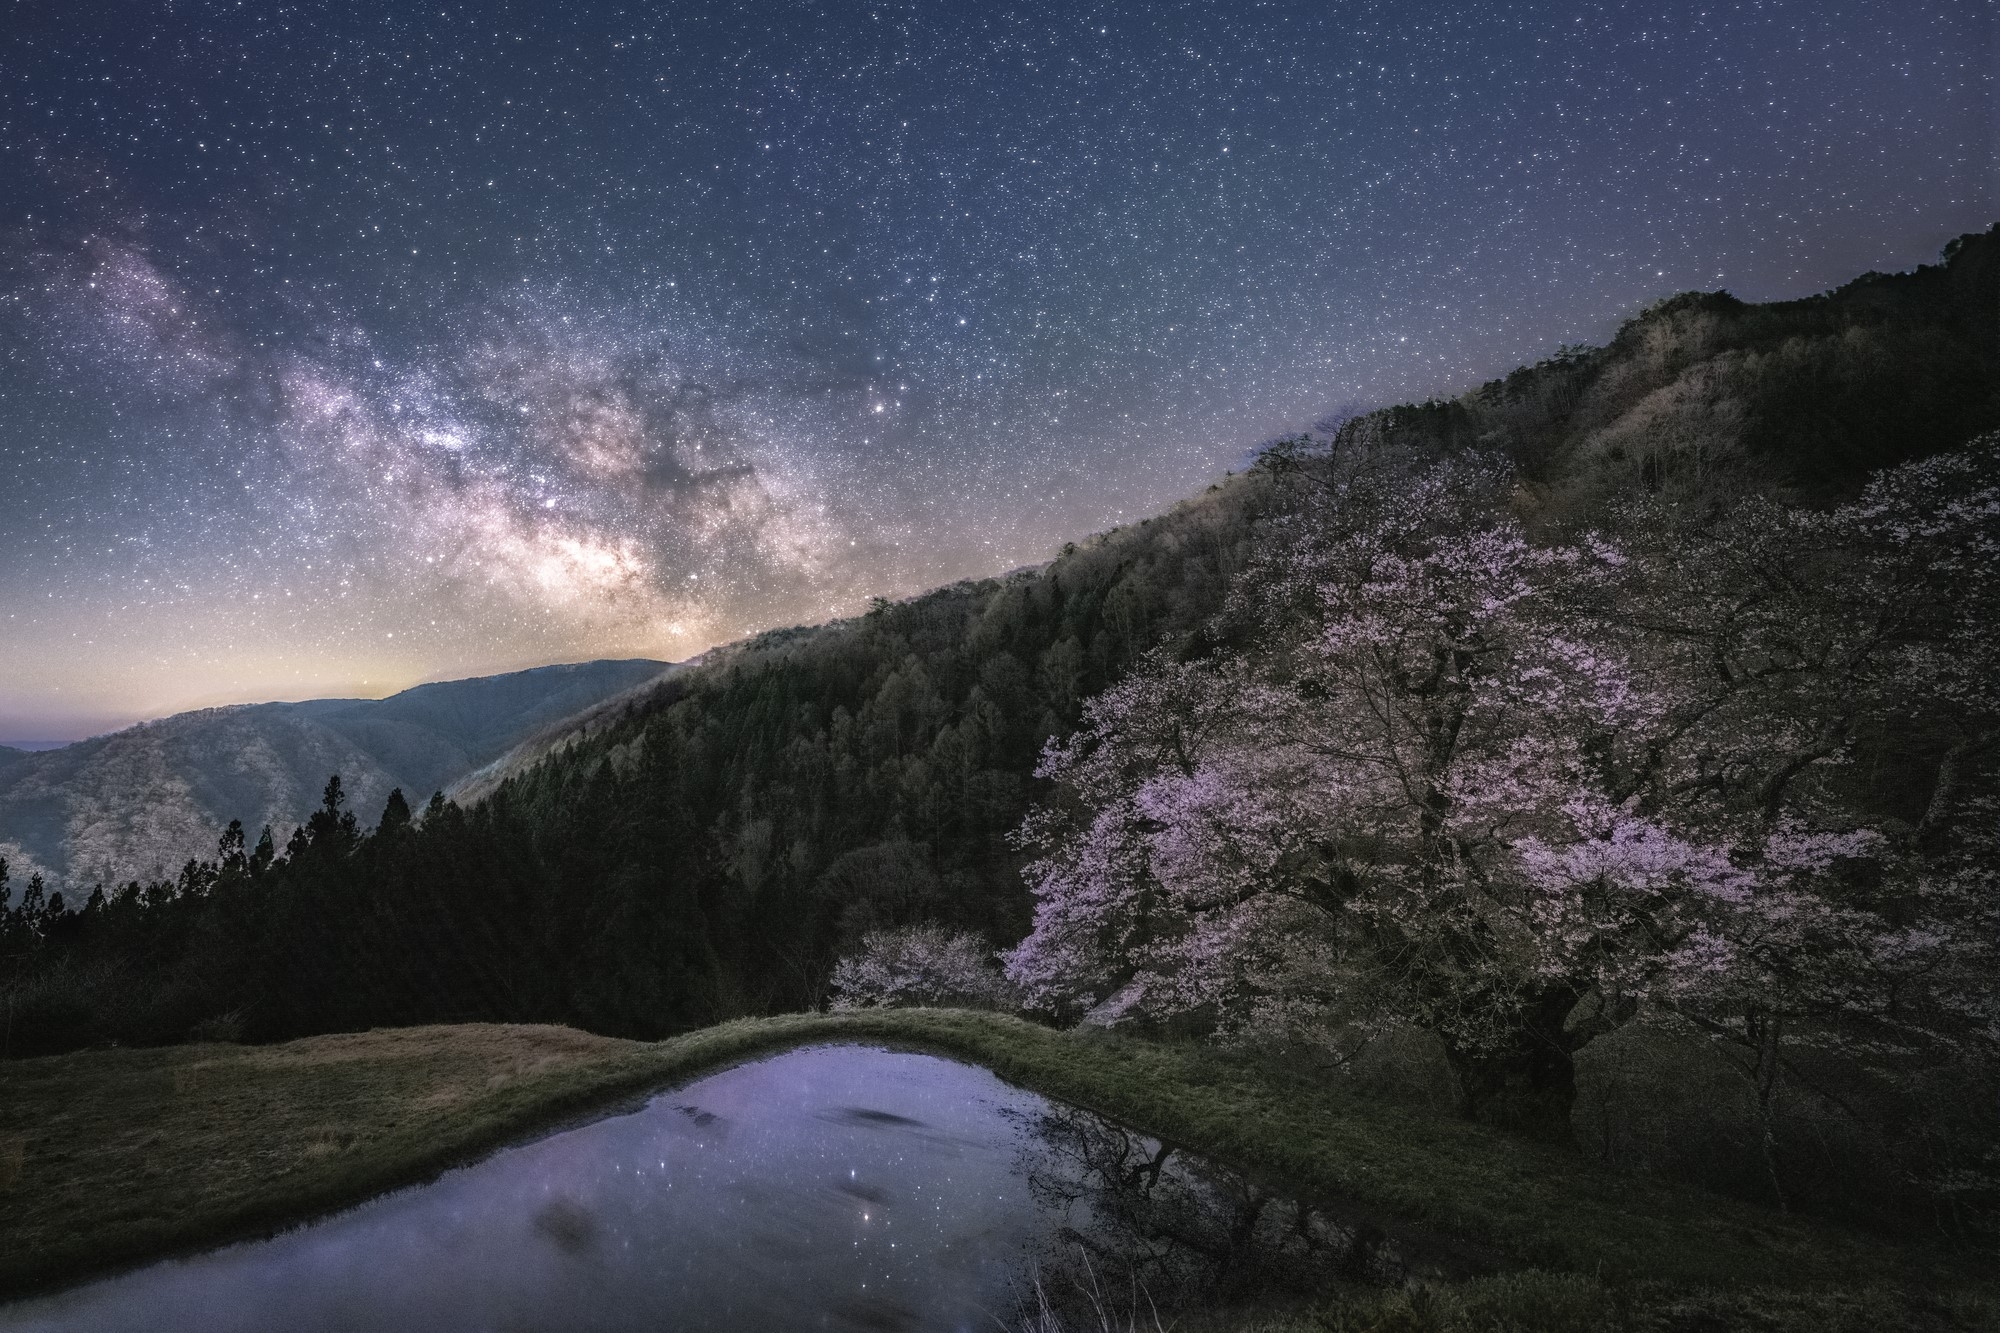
348, 346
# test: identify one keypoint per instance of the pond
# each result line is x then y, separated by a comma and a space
831, 1187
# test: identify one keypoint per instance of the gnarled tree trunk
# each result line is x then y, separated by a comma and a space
1526, 1081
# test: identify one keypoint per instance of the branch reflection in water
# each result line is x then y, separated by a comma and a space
1184, 1232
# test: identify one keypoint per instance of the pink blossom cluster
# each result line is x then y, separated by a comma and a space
1468, 777
920, 965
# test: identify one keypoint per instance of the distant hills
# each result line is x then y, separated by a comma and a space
138, 803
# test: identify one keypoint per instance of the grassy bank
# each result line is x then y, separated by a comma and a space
111, 1157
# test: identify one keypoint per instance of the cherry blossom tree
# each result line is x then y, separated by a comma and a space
1517, 791
1324, 824
1176, 879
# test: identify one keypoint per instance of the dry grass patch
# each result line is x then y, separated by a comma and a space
131, 1153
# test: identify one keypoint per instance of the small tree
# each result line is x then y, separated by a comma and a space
920, 965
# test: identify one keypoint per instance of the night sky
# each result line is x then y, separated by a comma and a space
347, 346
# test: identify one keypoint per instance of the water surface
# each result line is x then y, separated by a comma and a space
832, 1187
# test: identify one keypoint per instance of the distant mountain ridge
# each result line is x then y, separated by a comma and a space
139, 802
560, 732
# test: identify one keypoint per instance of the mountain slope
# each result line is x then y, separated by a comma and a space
139, 802
563, 730
1702, 394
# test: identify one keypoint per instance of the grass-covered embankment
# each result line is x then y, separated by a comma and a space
110, 1157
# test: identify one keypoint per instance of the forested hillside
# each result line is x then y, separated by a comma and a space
1618, 644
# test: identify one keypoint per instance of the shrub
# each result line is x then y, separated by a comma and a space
921, 965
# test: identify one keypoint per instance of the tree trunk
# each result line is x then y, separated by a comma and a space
1526, 1082
1767, 1031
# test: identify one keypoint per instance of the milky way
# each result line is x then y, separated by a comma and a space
347, 346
